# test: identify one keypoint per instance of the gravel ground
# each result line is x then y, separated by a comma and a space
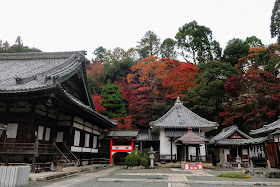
158, 170
95, 183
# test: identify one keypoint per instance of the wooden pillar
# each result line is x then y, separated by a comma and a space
111, 144
251, 164
132, 144
278, 152
268, 166
196, 153
36, 146
171, 150
184, 153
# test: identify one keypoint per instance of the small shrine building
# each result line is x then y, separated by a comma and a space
175, 124
227, 143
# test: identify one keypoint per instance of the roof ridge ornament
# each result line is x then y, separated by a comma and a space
178, 101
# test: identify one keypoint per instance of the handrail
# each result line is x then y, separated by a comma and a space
72, 154
62, 154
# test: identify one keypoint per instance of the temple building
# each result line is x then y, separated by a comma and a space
175, 124
270, 142
46, 105
227, 144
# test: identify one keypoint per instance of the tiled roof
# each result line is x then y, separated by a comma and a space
22, 72
176, 133
26, 72
230, 142
181, 117
267, 128
254, 140
191, 138
120, 133
86, 107
145, 135
276, 132
221, 138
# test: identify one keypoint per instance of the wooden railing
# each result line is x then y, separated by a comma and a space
204, 159
100, 160
26, 148
164, 158
72, 154
17, 148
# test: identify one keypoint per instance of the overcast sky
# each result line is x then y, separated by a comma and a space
66, 25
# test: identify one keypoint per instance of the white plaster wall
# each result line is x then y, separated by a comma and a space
192, 150
276, 137
165, 145
202, 150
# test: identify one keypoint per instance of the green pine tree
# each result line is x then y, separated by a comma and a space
113, 103
275, 21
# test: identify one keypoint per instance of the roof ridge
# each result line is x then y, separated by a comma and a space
39, 55
266, 127
181, 106
226, 132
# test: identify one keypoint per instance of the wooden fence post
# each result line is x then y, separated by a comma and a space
36, 147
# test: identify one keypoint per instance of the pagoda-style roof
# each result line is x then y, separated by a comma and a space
181, 117
229, 136
191, 138
267, 128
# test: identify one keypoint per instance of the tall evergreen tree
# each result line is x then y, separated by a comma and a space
275, 21
195, 40
167, 48
235, 49
149, 45
206, 98
112, 101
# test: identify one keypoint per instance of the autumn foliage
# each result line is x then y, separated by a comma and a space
254, 99
180, 80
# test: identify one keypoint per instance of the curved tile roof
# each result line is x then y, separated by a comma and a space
145, 135
181, 117
34, 71
221, 138
267, 128
176, 133
191, 138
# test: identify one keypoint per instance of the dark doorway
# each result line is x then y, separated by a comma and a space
119, 158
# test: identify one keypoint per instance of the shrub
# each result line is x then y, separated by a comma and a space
132, 160
144, 162
234, 175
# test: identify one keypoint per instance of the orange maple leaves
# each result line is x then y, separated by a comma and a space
169, 77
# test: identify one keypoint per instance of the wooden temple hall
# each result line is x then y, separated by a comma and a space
46, 111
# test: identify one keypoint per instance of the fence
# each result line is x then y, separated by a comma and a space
206, 158
11, 176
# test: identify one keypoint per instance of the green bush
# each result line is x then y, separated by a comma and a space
144, 162
132, 160
234, 175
